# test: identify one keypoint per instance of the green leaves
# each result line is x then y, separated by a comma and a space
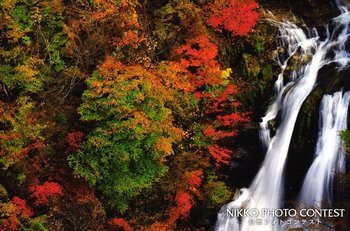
53, 48
125, 153
345, 136
21, 132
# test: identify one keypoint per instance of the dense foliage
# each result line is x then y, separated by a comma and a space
114, 106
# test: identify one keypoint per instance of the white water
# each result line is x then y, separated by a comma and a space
266, 190
329, 153
292, 38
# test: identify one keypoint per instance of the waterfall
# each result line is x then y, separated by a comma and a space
329, 153
292, 38
266, 190
341, 5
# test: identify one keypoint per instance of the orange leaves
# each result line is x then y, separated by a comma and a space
5, 137
120, 223
195, 179
164, 145
124, 12
184, 204
103, 14
167, 77
105, 9
24, 152
109, 67
130, 37
173, 75
157, 226
235, 16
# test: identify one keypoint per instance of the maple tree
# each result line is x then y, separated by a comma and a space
235, 16
43, 192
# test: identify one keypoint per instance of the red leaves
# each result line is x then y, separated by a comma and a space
219, 154
231, 119
216, 135
222, 99
183, 198
24, 152
235, 16
14, 211
225, 122
199, 58
21, 207
130, 37
74, 140
120, 223
184, 204
195, 178
42, 193
200, 49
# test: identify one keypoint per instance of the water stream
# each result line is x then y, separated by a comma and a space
329, 153
291, 89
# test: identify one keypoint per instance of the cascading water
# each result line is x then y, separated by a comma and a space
329, 154
292, 38
266, 190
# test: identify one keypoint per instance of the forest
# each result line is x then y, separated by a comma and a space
131, 114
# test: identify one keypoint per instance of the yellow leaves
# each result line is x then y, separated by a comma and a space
16, 33
225, 74
24, 77
98, 141
69, 31
35, 61
26, 71
164, 145
55, 5
11, 54
35, 14
23, 133
8, 5
140, 118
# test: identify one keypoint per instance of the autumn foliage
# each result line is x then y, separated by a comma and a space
235, 16
15, 211
121, 106
42, 193
74, 140
120, 223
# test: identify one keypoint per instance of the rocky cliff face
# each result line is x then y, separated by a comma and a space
314, 12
